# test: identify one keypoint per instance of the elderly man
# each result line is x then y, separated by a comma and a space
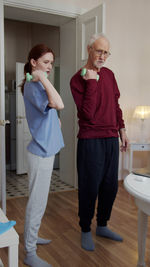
96, 95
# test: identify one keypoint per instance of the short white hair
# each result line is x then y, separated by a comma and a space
96, 36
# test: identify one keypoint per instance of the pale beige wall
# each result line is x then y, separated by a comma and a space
126, 26
84, 4
20, 37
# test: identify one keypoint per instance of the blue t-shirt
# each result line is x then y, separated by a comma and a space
42, 120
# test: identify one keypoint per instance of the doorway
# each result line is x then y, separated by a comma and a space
20, 36
74, 32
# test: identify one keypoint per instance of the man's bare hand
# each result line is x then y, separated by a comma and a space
90, 74
124, 140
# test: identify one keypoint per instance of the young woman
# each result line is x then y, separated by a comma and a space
41, 102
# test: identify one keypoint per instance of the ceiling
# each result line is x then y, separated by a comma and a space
34, 16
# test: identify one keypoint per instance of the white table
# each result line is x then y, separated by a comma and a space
137, 147
139, 187
9, 239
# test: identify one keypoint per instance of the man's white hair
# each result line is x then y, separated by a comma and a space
96, 36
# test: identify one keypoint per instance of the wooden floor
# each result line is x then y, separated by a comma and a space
60, 224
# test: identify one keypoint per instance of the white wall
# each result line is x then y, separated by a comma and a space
126, 27
84, 5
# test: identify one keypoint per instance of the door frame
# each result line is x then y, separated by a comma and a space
2, 112
46, 7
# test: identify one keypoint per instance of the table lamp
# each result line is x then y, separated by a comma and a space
142, 112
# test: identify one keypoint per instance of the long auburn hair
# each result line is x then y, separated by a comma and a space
36, 52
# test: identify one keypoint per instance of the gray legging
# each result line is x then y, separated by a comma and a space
39, 173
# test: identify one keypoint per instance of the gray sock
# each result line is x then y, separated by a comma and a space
104, 231
42, 241
87, 241
33, 260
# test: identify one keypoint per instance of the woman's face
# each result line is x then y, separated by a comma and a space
44, 63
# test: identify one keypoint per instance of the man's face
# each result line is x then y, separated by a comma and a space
98, 52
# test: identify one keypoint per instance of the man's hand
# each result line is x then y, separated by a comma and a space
90, 74
124, 140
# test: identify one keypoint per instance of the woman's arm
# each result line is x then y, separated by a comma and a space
54, 98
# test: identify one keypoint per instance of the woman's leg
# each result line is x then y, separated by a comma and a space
40, 170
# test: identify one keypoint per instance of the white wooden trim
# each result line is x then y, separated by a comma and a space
1, 263
46, 6
2, 112
104, 18
67, 69
57, 62
10, 239
84, 56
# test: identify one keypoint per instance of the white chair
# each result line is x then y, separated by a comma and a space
9, 239
139, 187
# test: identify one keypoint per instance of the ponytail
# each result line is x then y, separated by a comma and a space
27, 68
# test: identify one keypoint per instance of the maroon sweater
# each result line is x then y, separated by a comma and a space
99, 113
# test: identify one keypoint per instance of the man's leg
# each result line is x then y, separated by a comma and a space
40, 170
90, 165
108, 190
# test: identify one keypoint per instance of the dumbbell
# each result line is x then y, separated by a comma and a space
83, 72
29, 77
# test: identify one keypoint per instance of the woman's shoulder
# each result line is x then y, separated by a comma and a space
33, 87
31, 84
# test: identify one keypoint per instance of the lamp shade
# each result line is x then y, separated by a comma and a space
142, 112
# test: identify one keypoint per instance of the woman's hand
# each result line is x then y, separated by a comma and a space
54, 98
38, 75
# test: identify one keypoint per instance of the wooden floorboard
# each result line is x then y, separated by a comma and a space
60, 224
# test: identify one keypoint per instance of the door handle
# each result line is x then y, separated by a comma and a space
4, 122
20, 117
19, 121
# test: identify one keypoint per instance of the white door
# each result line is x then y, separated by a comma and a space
74, 37
22, 131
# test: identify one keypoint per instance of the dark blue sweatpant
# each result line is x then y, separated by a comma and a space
97, 166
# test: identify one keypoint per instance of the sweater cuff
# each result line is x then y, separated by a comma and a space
91, 84
124, 129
